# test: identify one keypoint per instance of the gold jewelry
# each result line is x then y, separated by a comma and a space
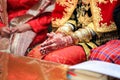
83, 35
86, 35
66, 29
75, 38
91, 31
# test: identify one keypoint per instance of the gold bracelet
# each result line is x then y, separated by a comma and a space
91, 31
86, 35
66, 29
83, 35
75, 38
79, 35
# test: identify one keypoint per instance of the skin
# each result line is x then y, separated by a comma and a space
6, 31
55, 41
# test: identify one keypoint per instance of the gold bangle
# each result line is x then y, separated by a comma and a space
83, 34
79, 35
91, 31
86, 35
66, 29
75, 38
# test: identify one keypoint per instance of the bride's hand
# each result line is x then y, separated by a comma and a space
55, 41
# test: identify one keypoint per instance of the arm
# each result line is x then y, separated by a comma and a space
37, 25
41, 19
65, 36
80, 35
4, 31
70, 33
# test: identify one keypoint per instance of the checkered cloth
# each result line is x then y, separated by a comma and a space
109, 52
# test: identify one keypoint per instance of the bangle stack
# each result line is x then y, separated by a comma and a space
83, 35
66, 29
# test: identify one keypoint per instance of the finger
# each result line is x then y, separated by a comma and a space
42, 44
48, 49
52, 46
13, 30
42, 51
6, 30
50, 35
46, 43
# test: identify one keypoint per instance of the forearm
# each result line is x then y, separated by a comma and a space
26, 27
80, 35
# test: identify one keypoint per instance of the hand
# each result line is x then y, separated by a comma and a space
21, 28
51, 36
5, 31
1, 10
55, 41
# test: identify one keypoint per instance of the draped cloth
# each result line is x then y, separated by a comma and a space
19, 42
24, 68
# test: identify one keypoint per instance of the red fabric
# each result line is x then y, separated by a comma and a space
109, 52
41, 36
19, 7
40, 26
1, 24
41, 23
106, 15
35, 52
58, 11
69, 55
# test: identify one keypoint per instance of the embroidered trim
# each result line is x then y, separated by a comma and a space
97, 17
70, 6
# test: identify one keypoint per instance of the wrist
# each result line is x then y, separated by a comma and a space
60, 34
27, 26
74, 38
69, 40
23, 27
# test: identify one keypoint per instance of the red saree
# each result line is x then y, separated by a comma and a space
32, 12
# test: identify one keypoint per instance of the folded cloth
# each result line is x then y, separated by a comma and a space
109, 52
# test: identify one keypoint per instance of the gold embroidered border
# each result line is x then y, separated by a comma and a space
71, 5
97, 17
